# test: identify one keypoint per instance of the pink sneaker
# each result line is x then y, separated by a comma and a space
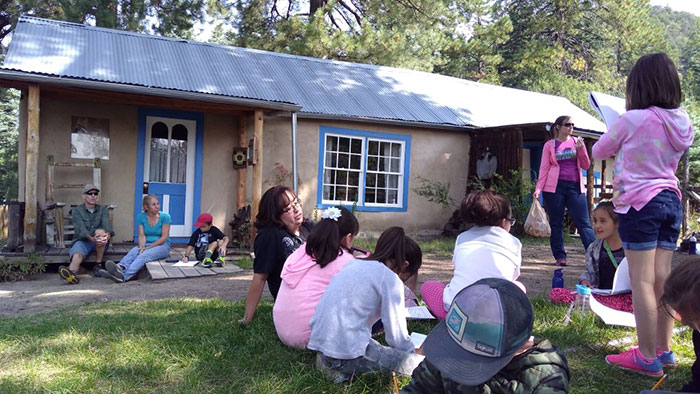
560, 262
632, 360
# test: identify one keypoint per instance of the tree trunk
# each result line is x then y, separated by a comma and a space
314, 5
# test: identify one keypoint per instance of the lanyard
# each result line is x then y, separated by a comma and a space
612, 258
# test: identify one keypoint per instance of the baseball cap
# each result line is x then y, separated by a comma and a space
89, 187
203, 219
487, 323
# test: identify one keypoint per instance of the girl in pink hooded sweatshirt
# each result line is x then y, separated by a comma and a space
647, 142
308, 271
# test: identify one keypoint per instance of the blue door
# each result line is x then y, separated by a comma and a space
169, 168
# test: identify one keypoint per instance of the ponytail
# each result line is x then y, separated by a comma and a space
323, 243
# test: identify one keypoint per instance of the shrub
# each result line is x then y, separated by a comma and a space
518, 192
15, 270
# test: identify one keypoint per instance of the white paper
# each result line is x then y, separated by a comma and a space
417, 339
190, 263
621, 281
608, 107
419, 313
612, 317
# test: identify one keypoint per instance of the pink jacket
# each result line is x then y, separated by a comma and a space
303, 284
549, 168
647, 145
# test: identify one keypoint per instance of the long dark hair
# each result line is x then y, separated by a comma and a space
682, 290
559, 122
323, 243
653, 81
394, 247
271, 207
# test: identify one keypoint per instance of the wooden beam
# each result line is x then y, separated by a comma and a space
590, 176
257, 168
31, 170
603, 176
242, 125
684, 185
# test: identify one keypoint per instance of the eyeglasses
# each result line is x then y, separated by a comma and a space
679, 319
92, 193
296, 205
568, 125
512, 221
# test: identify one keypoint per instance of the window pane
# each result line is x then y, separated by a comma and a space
382, 164
370, 194
343, 160
371, 180
328, 193
331, 143
328, 176
159, 153
356, 145
381, 180
341, 193
354, 178
342, 178
178, 155
373, 148
395, 163
334, 160
396, 150
353, 194
344, 145
355, 162
385, 148
393, 181
381, 196
371, 163
392, 196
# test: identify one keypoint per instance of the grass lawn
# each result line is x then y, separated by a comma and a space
192, 345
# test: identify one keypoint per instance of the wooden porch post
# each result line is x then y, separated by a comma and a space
603, 177
590, 176
257, 168
31, 167
242, 123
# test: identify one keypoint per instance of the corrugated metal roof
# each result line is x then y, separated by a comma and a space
320, 87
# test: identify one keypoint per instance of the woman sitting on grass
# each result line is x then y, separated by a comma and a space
308, 271
487, 250
358, 296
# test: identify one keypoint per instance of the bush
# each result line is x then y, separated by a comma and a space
518, 192
15, 270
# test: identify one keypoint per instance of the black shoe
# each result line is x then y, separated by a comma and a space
96, 270
114, 270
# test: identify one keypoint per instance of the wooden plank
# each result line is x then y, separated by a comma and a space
189, 272
31, 169
204, 271
257, 169
228, 269
173, 272
156, 270
242, 141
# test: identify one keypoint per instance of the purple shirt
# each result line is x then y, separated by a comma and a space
565, 152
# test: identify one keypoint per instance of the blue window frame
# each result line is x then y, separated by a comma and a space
366, 168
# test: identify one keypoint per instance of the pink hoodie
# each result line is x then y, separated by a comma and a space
647, 145
303, 284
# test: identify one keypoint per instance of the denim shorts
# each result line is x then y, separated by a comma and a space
656, 225
84, 247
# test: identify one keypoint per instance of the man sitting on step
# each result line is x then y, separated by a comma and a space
92, 234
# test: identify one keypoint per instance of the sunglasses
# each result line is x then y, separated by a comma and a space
92, 193
568, 125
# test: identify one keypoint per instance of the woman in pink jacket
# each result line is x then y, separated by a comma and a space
562, 185
308, 271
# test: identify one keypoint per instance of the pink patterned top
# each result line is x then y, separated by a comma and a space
647, 145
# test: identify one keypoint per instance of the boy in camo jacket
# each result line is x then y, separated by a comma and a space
484, 346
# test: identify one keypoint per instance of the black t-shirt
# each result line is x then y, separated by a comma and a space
606, 269
272, 247
200, 241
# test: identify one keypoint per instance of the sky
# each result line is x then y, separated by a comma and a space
692, 6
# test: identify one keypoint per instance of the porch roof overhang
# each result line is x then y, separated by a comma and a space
41, 79
577, 130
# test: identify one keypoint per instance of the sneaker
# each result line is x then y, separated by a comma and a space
114, 270
632, 360
220, 262
667, 359
96, 270
108, 275
332, 374
68, 275
560, 262
207, 262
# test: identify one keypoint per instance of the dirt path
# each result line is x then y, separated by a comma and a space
48, 291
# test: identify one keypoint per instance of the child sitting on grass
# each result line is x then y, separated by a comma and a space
484, 346
359, 295
606, 252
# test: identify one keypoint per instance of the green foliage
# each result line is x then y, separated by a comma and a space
435, 191
9, 132
244, 262
517, 191
14, 270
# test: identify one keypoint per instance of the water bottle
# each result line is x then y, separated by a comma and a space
692, 244
582, 303
558, 279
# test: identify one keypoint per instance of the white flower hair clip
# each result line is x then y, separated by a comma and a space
331, 213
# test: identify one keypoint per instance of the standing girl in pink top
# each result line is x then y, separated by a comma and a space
308, 271
561, 185
647, 142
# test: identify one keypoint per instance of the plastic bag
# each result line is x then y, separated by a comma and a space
536, 223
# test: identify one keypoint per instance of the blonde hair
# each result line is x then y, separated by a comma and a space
146, 200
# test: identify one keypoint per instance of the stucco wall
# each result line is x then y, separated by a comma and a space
435, 155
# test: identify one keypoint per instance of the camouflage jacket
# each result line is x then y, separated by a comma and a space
542, 369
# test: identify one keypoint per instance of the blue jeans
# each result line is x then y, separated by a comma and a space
133, 261
656, 225
568, 195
